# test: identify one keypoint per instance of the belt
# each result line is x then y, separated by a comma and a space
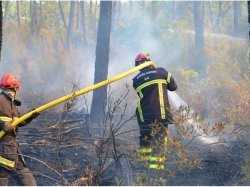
7, 138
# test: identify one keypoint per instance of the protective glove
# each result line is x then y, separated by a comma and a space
8, 127
33, 116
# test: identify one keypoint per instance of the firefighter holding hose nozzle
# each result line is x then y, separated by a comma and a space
153, 112
11, 159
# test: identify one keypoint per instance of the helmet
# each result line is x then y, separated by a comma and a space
141, 58
9, 81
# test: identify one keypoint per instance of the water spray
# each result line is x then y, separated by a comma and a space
176, 102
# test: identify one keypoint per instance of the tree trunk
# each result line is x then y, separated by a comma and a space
143, 5
199, 58
33, 17
71, 24
198, 25
154, 10
62, 14
131, 7
1, 27
95, 16
118, 15
119, 11
41, 10
18, 5
6, 10
236, 16
101, 63
248, 8
218, 22
174, 10
114, 11
83, 23
90, 8
77, 15
211, 15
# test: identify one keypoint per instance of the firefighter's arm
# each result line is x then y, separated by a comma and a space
5, 124
171, 84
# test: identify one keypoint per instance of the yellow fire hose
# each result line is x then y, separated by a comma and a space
78, 93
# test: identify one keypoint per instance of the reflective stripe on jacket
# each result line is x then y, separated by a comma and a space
9, 149
151, 86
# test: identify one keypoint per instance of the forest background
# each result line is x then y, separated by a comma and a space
50, 46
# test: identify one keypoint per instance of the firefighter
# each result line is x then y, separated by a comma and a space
11, 160
153, 111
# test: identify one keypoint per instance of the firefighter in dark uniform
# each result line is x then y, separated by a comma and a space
11, 159
153, 112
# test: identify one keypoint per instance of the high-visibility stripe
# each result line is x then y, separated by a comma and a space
162, 108
4, 118
156, 166
140, 94
140, 111
145, 150
156, 81
144, 158
6, 162
169, 77
152, 158
159, 82
157, 159
165, 140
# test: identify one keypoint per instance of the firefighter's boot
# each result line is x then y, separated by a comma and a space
26, 177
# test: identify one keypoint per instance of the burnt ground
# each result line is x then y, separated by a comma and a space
219, 167
59, 149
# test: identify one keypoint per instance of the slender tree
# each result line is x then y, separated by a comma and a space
33, 17
248, 8
236, 15
77, 15
6, 10
143, 6
83, 23
90, 7
198, 25
95, 16
199, 39
41, 11
101, 62
211, 15
71, 24
62, 14
18, 5
174, 5
154, 11
218, 21
131, 7
114, 11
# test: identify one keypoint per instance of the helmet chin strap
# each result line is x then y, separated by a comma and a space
11, 93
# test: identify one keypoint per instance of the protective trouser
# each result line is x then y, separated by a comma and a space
153, 146
23, 177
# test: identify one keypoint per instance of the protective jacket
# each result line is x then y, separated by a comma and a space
9, 149
151, 86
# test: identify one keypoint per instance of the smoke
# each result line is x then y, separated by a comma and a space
47, 69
